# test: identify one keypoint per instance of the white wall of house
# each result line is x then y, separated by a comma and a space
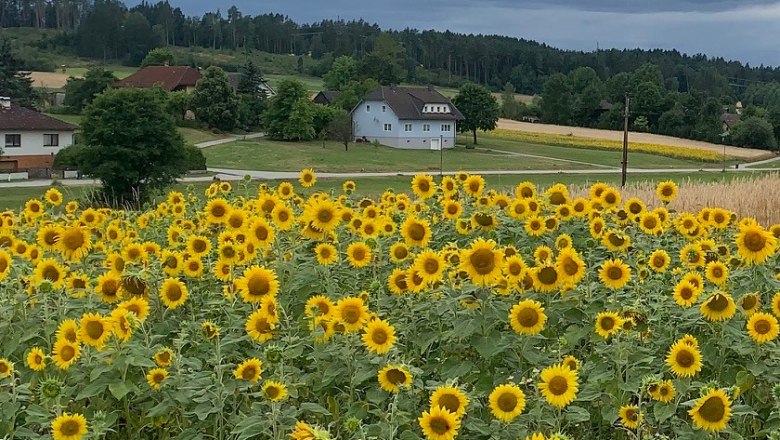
376, 121
33, 143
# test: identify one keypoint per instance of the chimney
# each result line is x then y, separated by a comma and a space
5, 102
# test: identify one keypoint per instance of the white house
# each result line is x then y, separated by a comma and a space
406, 117
30, 139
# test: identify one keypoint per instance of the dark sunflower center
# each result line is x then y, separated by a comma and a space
631, 415
396, 376
515, 269
616, 240
173, 293
67, 353
507, 402
607, 323
650, 222
713, 410
755, 241
484, 219
718, 303
350, 314
379, 336
558, 385
548, 275
439, 425
95, 329
449, 402
272, 392
249, 372
416, 232
528, 317
685, 358
615, 273
258, 285
424, 186
70, 427
164, 357
262, 326
431, 266
218, 211
749, 302
762, 326
686, 293
483, 261
51, 273
359, 254
659, 261
73, 239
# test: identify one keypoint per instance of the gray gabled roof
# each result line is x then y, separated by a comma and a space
408, 102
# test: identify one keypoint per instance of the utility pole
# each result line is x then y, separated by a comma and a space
441, 156
625, 145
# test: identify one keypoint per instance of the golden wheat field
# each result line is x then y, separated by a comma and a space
451, 311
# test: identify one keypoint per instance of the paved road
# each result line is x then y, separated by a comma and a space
235, 174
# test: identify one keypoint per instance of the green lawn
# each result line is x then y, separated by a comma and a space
267, 155
312, 83
600, 157
80, 68
195, 136
70, 119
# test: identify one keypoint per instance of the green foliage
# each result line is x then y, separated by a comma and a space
290, 114
754, 132
479, 107
510, 107
557, 100
161, 56
353, 92
251, 95
340, 130
135, 151
68, 157
385, 63
343, 72
323, 116
14, 83
214, 101
80, 92
194, 158
177, 103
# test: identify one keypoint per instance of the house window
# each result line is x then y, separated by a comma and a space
407, 127
388, 127
368, 108
438, 109
51, 140
13, 140
426, 127
384, 108
446, 127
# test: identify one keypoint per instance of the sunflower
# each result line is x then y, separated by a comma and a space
136, 305
763, 327
68, 330
506, 402
430, 266
614, 273
596, 227
666, 191
69, 427
684, 360
717, 272
664, 392
318, 306
686, 294
209, 330
571, 363
649, 223
659, 261
755, 245
630, 416
249, 370
198, 245
173, 293
156, 377
33, 208
95, 329
326, 254
322, 214
359, 254
108, 287
482, 262
570, 266
217, 211
535, 226
451, 209
712, 411
256, 283
36, 359
260, 233
164, 357
307, 178
283, 217
559, 385
5, 264
51, 271
394, 377
378, 336
6, 368
607, 324
416, 232
348, 186
423, 186
274, 391
718, 307
439, 424
527, 317
396, 282
65, 353
450, 398
474, 185
258, 326
352, 313
399, 253
616, 241
74, 243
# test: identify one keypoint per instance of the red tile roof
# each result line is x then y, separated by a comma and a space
23, 119
169, 78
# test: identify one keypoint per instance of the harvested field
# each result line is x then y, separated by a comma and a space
592, 133
49, 80
757, 197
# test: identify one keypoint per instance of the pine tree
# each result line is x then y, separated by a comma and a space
13, 83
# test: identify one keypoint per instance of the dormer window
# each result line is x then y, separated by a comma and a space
384, 108
368, 108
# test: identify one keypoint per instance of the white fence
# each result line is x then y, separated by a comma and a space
7, 177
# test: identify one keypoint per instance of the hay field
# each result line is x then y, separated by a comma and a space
748, 154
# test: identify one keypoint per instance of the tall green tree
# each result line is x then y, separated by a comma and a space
754, 132
161, 56
80, 92
385, 63
13, 83
214, 101
134, 152
290, 114
510, 107
557, 100
252, 97
479, 107
344, 71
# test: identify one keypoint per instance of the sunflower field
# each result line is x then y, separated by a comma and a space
453, 311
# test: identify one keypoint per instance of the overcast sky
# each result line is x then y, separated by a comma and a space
744, 30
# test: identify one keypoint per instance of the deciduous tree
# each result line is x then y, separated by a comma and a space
479, 107
80, 92
214, 100
290, 115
